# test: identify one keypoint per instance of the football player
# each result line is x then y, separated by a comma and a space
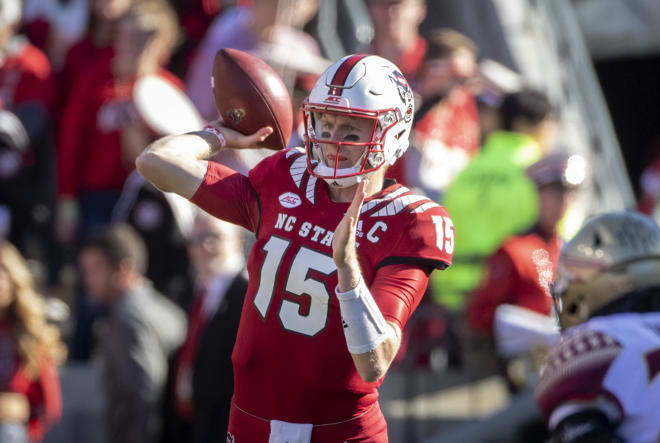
600, 383
341, 260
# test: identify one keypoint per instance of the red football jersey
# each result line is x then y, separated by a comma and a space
89, 141
291, 361
24, 74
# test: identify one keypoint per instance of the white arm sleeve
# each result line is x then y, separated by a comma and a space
364, 325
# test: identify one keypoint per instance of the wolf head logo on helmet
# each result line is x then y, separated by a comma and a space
360, 91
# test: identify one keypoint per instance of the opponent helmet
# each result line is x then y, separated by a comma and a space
366, 87
611, 255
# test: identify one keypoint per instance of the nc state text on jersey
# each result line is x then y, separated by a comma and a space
321, 235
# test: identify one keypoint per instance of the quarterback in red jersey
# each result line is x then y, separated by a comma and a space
341, 260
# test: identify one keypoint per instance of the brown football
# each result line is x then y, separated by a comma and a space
250, 95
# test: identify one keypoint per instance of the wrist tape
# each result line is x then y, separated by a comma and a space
219, 135
364, 325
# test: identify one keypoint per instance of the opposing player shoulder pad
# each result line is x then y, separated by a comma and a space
424, 231
575, 368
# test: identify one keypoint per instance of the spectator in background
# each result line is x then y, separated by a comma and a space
95, 47
245, 28
30, 397
25, 75
492, 198
521, 270
100, 132
54, 25
492, 82
164, 221
143, 330
91, 167
396, 34
446, 132
195, 17
27, 178
204, 376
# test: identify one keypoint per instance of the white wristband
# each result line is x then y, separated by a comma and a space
219, 135
365, 327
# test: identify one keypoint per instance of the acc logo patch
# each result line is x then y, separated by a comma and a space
290, 200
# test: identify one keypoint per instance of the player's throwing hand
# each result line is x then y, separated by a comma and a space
236, 140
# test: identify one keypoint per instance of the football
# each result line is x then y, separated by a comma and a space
250, 95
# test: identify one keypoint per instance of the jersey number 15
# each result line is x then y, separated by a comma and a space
298, 283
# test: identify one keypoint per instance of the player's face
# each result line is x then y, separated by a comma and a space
397, 18
131, 44
338, 128
205, 243
553, 200
97, 274
110, 9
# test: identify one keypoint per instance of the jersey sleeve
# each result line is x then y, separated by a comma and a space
398, 289
574, 371
45, 398
427, 240
36, 82
228, 195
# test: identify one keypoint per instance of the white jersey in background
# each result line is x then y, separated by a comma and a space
611, 363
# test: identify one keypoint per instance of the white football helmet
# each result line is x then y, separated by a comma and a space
612, 255
359, 86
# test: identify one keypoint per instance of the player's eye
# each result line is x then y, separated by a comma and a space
325, 134
352, 138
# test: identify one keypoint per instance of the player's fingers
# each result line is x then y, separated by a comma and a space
217, 123
358, 199
264, 132
257, 137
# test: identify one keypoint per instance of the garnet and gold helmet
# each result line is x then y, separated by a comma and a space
612, 255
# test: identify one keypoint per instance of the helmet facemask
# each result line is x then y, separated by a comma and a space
341, 166
578, 293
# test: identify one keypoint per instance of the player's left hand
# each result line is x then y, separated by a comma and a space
343, 240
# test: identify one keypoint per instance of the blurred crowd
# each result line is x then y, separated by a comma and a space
154, 286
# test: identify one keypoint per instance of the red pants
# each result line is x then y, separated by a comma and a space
368, 427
